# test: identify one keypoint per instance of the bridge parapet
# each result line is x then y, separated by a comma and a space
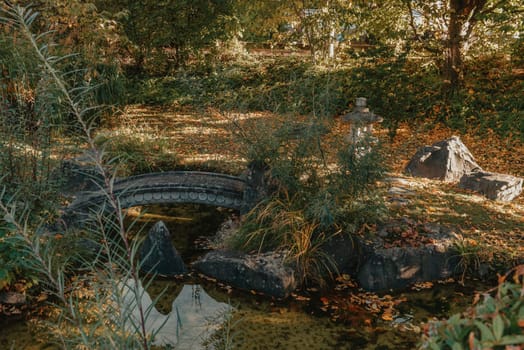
187, 178
176, 187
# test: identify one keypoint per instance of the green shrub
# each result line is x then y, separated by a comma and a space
497, 322
313, 192
11, 259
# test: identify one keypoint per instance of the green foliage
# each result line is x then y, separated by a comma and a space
283, 85
11, 259
21, 249
77, 27
312, 197
103, 306
162, 35
469, 255
279, 224
400, 89
490, 101
471, 29
30, 123
316, 24
34, 116
108, 83
494, 323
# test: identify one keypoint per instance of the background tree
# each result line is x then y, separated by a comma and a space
450, 29
169, 28
78, 27
314, 23
261, 21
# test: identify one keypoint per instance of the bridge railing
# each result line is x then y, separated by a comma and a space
170, 187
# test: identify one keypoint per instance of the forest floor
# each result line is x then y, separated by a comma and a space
208, 140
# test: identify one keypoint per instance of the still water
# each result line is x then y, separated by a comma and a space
304, 321
195, 313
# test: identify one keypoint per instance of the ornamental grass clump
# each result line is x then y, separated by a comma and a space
83, 272
317, 187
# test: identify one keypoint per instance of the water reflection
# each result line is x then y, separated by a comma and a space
194, 316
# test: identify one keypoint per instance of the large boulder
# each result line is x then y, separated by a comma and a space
492, 185
265, 273
446, 160
342, 251
158, 254
386, 266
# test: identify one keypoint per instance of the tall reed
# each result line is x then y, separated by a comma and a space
95, 313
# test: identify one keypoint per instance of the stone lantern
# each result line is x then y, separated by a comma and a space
362, 121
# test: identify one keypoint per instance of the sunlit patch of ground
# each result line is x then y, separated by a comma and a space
197, 138
491, 152
496, 227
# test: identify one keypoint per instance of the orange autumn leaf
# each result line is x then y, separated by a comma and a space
476, 299
387, 315
471, 340
519, 271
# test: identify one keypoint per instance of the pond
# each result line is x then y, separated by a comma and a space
346, 318
343, 318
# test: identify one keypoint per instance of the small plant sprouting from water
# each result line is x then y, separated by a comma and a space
105, 253
224, 338
469, 253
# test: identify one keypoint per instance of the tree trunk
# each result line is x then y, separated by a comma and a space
453, 50
311, 44
462, 18
300, 12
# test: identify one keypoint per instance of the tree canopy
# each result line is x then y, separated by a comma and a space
164, 35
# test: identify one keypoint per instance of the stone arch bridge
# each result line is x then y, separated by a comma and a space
180, 187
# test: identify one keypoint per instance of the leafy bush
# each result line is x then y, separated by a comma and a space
313, 192
497, 322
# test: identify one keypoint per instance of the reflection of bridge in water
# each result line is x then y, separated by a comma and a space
177, 187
